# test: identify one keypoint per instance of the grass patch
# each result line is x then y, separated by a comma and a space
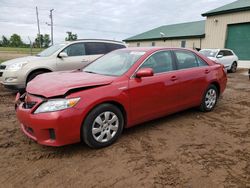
2, 60
20, 50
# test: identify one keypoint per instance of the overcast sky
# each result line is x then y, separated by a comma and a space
110, 19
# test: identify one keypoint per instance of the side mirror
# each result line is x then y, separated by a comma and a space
219, 56
144, 72
62, 55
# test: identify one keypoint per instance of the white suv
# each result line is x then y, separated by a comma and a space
224, 56
16, 73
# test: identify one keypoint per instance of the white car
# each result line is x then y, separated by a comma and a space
16, 73
224, 56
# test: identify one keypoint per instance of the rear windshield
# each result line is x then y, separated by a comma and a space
209, 53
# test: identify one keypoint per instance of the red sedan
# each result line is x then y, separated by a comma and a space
119, 90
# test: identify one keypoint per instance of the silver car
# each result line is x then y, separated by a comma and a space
223, 56
16, 73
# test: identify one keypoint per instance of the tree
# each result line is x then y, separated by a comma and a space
16, 41
37, 41
46, 41
5, 42
71, 36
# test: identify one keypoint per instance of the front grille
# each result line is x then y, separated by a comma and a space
2, 67
52, 134
29, 105
1, 74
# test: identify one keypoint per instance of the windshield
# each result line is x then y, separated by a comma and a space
115, 63
209, 53
51, 50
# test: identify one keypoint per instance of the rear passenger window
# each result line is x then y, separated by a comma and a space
77, 49
228, 53
95, 48
201, 62
111, 47
186, 60
159, 62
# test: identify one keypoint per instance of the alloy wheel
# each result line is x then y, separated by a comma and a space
105, 126
210, 99
234, 67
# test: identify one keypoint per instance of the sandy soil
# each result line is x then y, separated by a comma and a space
188, 149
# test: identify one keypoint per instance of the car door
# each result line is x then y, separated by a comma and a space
192, 76
230, 58
76, 57
225, 59
152, 97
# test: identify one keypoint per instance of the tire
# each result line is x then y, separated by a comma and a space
98, 131
233, 68
33, 75
209, 99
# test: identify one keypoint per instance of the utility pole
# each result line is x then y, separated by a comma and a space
51, 25
30, 46
38, 26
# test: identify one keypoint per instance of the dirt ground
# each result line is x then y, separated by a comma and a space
187, 149
4, 56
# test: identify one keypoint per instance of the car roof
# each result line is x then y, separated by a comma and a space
95, 40
217, 49
152, 49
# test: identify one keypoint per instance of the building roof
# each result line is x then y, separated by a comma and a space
182, 30
240, 5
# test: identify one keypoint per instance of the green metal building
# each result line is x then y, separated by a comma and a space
224, 27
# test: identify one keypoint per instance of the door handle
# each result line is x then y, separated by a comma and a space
173, 78
207, 71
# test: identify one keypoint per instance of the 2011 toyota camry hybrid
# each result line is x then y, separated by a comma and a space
119, 90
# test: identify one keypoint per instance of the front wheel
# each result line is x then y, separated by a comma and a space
209, 99
33, 75
102, 126
233, 67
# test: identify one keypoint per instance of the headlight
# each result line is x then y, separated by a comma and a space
16, 66
56, 104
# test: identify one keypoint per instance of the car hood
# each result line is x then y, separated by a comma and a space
22, 59
59, 83
214, 59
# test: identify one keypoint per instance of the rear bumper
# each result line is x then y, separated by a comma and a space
51, 129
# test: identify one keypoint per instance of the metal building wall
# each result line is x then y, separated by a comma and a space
216, 28
190, 43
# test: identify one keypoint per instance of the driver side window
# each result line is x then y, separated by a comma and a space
221, 53
77, 49
159, 62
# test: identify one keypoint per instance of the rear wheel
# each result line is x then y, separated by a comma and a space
102, 126
209, 99
233, 67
